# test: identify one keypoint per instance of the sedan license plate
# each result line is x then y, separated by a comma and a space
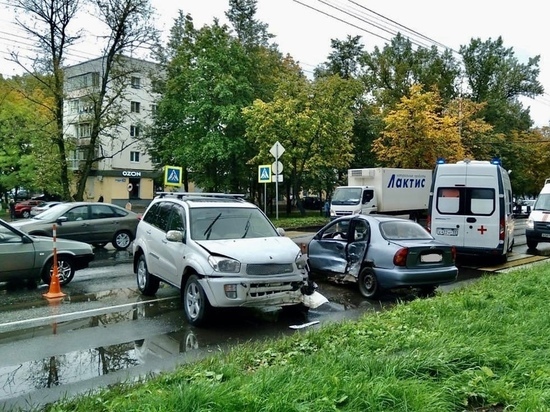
446, 232
431, 258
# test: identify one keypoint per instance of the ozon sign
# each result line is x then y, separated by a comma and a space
129, 173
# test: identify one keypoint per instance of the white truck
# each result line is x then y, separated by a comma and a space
382, 190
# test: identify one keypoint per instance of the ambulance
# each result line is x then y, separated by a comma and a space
538, 223
471, 207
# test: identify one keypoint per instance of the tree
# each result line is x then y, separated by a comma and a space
344, 59
417, 133
495, 76
27, 157
211, 75
313, 121
390, 72
49, 28
129, 25
250, 32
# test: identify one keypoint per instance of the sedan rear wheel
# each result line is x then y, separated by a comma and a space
368, 284
147, 284
65, 270
122, 240
195, 303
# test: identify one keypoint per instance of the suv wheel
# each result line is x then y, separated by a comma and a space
122, 240
195, 303
147, 284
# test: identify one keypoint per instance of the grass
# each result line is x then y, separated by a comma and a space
296, 221
484, 347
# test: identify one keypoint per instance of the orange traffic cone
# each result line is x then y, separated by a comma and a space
55, 289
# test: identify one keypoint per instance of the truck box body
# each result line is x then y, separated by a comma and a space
384, 191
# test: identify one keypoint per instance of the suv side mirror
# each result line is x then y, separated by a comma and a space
174, 236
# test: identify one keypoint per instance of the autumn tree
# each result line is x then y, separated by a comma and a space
27, 157
312, 120
417, 133
47, 23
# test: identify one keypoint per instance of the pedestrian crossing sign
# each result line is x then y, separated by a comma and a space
264, 174
172, 176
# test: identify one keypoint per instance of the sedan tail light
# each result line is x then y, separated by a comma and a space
400, 257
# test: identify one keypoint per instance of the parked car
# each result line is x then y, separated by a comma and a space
42, 206
523, 207
30, 258
90, 222
381, 253
220, 251
23, 209
312, 203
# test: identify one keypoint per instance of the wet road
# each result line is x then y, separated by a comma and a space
104, 331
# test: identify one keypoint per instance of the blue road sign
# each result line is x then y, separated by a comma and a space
172, 176
264, 174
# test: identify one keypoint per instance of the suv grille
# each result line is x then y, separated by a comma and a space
268, 269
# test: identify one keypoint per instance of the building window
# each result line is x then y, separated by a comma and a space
83, 81
136, 82
134, 157
135, 107
154, 108
74, 159
134, 131
83, 130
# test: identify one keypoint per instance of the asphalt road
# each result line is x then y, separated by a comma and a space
104, 331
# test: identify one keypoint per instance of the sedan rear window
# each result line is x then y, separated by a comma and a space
403, 230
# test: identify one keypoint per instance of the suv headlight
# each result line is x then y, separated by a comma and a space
225, 265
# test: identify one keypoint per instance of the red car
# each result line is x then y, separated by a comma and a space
23, 209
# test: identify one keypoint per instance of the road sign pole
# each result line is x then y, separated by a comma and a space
277, 182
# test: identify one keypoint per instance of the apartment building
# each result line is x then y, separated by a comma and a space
125, 171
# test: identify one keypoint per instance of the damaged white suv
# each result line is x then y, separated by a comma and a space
220, 251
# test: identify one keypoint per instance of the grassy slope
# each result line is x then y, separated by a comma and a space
484, 346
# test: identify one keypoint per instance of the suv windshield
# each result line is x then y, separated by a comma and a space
229, 223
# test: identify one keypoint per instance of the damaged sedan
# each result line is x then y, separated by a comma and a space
380, 253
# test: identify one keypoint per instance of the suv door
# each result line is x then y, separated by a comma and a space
171, 253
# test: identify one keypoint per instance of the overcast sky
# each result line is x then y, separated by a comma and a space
304, 28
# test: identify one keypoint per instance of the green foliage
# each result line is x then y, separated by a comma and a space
27, 156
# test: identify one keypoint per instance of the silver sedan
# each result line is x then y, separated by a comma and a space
31, 258
380, 253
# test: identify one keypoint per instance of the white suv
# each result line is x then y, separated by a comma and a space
220, 251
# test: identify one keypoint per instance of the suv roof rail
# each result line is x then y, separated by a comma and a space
181, 195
